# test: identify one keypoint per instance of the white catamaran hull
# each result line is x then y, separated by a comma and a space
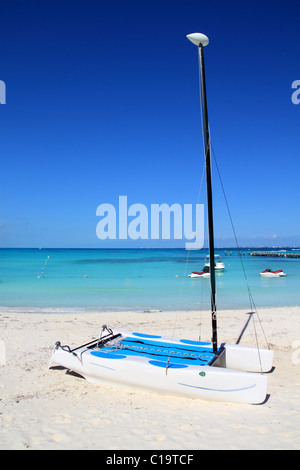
218, 382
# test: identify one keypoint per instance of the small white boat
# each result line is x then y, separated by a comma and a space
219, 265
270, 273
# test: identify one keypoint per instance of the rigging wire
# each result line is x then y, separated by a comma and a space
251, 300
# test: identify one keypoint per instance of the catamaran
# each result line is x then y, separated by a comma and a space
207, 370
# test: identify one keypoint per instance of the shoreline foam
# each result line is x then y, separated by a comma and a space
137, 310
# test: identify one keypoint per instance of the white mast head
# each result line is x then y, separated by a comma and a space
198, 38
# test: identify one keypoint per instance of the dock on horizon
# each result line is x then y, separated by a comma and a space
275, 254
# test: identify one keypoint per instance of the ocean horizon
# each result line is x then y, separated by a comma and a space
141, 279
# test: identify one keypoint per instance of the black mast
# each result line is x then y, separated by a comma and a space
201, 40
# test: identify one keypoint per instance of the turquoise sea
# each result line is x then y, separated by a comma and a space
139, 280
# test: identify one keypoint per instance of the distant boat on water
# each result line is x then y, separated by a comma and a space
219, 266
269, 273
204, 273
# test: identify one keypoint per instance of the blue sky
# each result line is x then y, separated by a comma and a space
102, 100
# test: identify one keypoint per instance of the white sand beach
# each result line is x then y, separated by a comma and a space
43, 408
